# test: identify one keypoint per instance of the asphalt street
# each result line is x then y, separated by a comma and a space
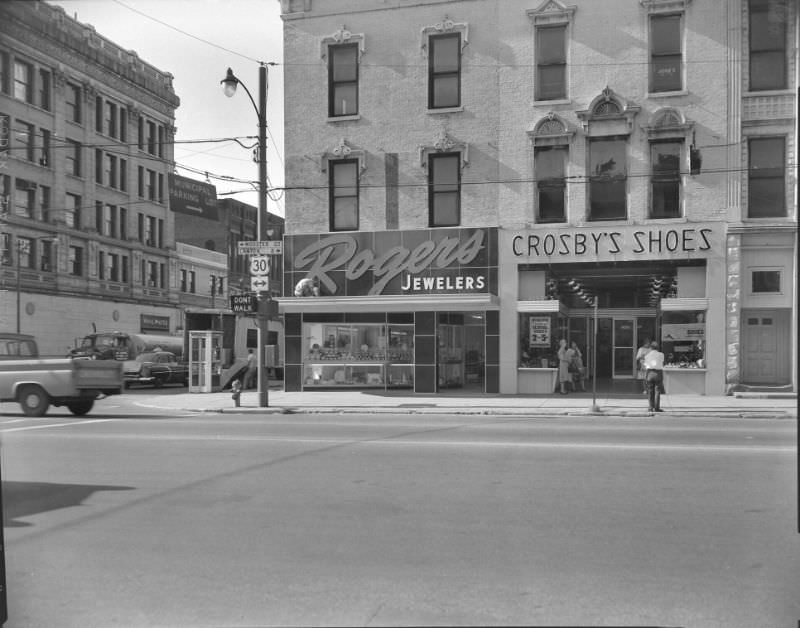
192, 519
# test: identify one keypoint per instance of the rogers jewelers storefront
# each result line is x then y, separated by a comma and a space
662, 282
391, 309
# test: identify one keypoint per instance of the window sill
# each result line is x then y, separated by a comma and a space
445, 110
548, 103
352, 118
768, 92
669, 94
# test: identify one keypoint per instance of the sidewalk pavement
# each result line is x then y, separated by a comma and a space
747, 405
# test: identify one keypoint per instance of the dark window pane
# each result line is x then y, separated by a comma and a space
344, 59
766, 181
445, 191
766, 198
551, 82
345, 101
446, 210
666, 34
550, 45
345, 214
607, 200
766, 281
608, 158
445, 53
445, 92
666, 74
768, 70
767, 30
666, 199
445, 170
344, 195
551, 202
549, 172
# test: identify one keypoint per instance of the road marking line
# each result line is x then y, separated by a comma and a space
46, 425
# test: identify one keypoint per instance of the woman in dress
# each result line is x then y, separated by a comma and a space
578, 372
564, 356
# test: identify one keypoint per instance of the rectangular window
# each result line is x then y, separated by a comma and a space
123, 175
150, 232
101, 265
47, 258
123, 124
110, 177
140, 138
161, 131
152, 274
551, 63
98, 166
98, 114
98, 216
23, 79
44, 89
5, 249
110, 122
24, 140
44, 154
160, 233
141, 182
140, 225
444, 190
123, 223
665, 179
44, 202
151, 185
124, 268
151, 138
76, 261
73, 157
73, 96
766, 178
26, 253
549, 162
110, 221
344, 195
112, 260
768, 67
444, 71
24, 198
192, 281
343, 80
160, 188
4, 72
184, 284
72, 212
766, 281
665, 53
607, 179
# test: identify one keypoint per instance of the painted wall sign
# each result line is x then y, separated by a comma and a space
151, 322
698, 240
430, 261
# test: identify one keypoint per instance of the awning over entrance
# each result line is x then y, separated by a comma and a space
396, 303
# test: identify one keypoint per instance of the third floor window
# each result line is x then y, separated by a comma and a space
551, 63
343, 80
665, 53
444, 71
767, 44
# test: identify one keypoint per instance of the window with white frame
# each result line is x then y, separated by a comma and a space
72, 155
73, 95
23, 81
444, 189
551, 62
444, 71
766, 180
665, 179
76, 261
551, 184
343, 192
24, 140
666, 58
767, 44
343, 80
72, 211
765, 281
608, 178
24, 198
44, 89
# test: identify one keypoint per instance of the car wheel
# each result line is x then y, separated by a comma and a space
158, 381
79, 408
33, 400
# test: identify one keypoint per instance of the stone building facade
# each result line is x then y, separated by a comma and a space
470, 182
87, 147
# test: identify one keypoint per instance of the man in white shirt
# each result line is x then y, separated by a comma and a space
654, 376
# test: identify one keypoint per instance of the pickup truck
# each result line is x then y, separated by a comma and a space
36, 383
156, 368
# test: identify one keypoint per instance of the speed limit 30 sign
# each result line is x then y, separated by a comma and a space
259, 265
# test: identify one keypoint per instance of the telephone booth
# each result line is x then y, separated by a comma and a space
205, 361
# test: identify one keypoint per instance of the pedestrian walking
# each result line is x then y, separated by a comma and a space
577, 368
252, 370
564, 376
654, 369
640, 370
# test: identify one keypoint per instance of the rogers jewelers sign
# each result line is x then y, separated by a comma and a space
429, 261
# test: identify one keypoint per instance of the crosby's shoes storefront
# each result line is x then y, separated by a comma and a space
663, 283
415, 310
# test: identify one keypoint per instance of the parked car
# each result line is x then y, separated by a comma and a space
36, 382
156, 368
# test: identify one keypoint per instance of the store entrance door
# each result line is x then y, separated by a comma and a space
624, 347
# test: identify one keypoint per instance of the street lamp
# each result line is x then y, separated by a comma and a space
229, 85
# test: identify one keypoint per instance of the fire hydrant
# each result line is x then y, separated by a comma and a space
236, 387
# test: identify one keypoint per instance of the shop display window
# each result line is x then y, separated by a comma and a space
358, 355
538, 340
683, 339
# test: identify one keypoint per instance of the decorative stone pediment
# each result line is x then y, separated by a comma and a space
552, 129
343, 151
551, 12
666, 123
442, 28
664, 6
609, 107
343, 36
444, 144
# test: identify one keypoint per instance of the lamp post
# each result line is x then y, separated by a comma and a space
229, 85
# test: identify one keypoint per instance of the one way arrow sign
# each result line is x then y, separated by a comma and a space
259, 284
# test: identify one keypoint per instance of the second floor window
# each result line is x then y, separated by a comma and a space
343, 80
551, 63
24, 198
444, 190
72, 211
72, 154
665, 53
444, 71
549, 162
76, 261
24, 135
73, 96
607, 179
767, 44
665, 179
344, 195
766, 178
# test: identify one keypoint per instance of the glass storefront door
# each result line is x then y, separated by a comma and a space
624, 347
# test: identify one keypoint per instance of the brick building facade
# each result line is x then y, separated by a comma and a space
466, 180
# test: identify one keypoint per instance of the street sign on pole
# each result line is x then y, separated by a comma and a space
259, 265
244, 302
260, 247
259, 284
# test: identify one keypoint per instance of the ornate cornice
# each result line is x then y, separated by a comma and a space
441, 28
551, 12
343, 36
444, 144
